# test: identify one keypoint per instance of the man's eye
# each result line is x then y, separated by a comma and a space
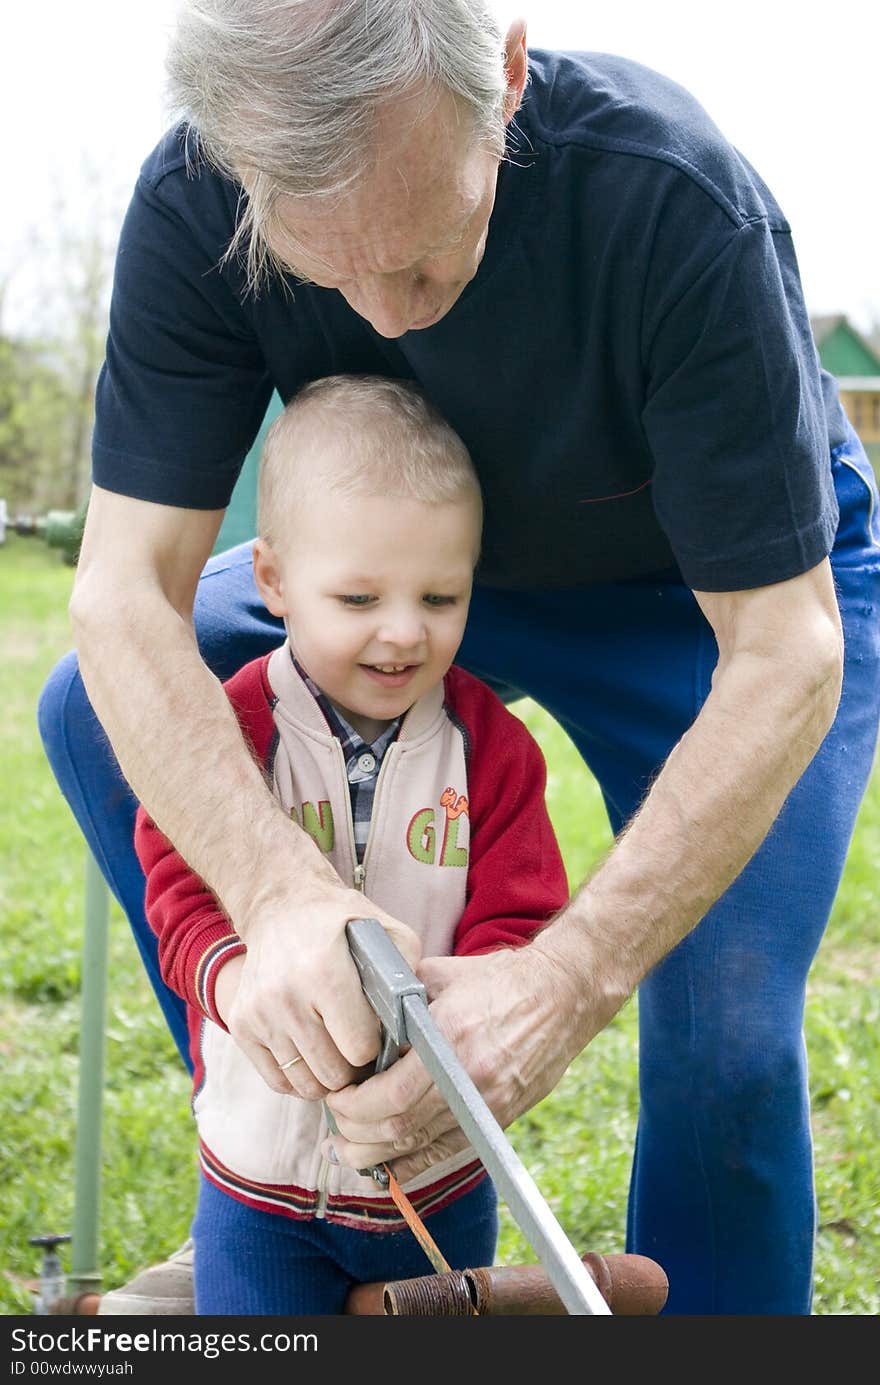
355, 599
434, 599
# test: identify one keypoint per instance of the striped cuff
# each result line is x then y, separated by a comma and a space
208, 970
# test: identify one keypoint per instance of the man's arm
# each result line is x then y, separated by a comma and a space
180, 748
518, 1018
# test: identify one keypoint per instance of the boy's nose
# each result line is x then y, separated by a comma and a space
402, 630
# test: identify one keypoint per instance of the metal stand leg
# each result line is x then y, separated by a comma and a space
84, 1271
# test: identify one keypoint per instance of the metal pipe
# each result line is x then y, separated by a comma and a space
631, 1285
84, 1273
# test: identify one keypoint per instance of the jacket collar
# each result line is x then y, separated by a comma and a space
296, 704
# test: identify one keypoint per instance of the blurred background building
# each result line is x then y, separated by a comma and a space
855, 363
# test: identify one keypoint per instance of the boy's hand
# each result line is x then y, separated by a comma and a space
298, 1009
226, 986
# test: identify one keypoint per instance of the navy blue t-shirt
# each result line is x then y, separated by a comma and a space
632, 367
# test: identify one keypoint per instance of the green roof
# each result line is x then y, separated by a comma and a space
843, 350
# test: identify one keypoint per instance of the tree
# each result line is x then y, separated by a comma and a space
35, 413
49, 363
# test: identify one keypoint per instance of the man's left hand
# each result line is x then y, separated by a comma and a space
502, 1015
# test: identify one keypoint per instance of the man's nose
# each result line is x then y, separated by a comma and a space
389, 302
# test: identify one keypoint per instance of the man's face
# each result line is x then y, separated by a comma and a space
402, 244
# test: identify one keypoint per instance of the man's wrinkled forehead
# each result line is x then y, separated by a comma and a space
346, 247
413, 201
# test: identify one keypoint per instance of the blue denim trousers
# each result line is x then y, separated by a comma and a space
722, 1181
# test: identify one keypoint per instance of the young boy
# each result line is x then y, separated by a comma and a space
414, 780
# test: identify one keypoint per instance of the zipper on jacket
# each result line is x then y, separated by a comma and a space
324, 1167
381, 775
348, 815
323, 1175
359, 876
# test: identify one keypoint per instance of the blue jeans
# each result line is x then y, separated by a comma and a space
249, 1262
722, 1183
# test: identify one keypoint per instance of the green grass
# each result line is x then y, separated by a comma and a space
576, 1143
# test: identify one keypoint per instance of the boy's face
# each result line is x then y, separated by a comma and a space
375, 593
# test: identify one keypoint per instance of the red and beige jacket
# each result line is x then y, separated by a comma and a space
460, 847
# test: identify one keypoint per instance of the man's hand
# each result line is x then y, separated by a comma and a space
299, 994
501, 1013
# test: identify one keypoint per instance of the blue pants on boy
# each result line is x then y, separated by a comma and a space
249, 1262
722, 1187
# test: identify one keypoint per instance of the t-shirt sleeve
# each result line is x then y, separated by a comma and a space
184, 387
735, 418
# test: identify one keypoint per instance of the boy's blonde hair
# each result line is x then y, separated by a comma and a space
360, 435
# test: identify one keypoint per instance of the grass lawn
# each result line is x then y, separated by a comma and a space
576, 1143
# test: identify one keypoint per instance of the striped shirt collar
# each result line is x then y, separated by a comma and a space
363, 759
351, 740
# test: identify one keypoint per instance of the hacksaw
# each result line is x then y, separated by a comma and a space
401, 1004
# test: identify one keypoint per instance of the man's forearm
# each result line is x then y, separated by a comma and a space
708, 811
180, 748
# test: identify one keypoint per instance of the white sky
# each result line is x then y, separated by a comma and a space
794, 86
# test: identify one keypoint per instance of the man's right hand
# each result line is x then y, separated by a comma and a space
299, 994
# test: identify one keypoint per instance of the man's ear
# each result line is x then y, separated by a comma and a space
516, 67
267, 575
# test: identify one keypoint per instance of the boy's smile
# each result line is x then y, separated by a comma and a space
393, 675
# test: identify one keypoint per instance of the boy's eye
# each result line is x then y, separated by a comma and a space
356, 599
434, 599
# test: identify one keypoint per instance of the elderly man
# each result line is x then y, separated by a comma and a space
602, 297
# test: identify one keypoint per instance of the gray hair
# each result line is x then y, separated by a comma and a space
283, 94
361, 435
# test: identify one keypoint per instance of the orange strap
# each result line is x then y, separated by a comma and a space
416, 1225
